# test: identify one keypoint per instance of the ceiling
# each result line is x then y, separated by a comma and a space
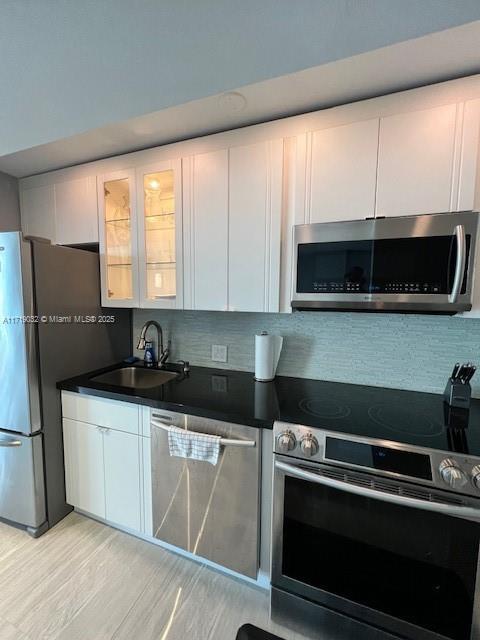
82, 80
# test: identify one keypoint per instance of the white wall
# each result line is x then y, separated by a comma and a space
71, 66
9, 203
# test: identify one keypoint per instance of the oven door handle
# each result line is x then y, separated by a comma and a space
459, 235
467, 513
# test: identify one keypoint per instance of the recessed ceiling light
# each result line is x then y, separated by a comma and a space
232, 101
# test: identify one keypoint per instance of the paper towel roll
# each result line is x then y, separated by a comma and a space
267, 354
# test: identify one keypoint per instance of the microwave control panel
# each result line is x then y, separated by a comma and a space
388, 287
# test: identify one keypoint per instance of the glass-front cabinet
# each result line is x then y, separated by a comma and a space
140, 234
159, 205
118, 239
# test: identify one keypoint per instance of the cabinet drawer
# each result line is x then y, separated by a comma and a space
121, 416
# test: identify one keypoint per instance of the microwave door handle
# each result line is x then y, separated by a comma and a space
467, 513
459, 234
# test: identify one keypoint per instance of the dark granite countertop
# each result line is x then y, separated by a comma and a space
231, 396
389, 414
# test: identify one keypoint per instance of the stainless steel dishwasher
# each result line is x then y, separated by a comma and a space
210, 511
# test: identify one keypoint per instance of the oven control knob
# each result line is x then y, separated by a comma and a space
309, 445
452, 474
286, 441
476, 476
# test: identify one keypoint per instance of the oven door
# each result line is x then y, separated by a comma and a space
385, 552
416, 263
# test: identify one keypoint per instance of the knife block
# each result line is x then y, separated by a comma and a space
456, 420
457, 394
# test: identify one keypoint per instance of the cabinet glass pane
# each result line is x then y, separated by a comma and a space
160, 234
118, 239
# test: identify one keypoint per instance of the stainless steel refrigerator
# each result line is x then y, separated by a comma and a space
48, 296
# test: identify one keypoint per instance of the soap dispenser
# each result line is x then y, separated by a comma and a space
149, 357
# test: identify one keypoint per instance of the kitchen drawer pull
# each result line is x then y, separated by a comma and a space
10, 443
224, 442
467, 513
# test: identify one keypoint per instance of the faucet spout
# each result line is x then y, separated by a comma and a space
162, 354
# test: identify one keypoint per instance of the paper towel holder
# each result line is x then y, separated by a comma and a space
265, 370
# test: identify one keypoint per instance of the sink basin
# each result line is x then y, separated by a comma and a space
136, 378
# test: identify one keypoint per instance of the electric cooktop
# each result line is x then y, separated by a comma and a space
421, 419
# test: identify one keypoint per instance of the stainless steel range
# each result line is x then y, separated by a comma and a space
376, 531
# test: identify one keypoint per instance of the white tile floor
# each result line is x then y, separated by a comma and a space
86, 581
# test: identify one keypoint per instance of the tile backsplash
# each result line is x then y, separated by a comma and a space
415, 352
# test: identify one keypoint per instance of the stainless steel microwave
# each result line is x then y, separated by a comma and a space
409, 264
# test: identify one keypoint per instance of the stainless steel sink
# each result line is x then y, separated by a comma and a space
136, 378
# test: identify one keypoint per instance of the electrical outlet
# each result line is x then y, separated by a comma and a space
219, 353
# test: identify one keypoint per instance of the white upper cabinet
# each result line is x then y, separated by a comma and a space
416, 162
63, 212
254, 229
469, 178
233, 207
160, 235
117, 232
205, 189
37, 206
76, 213
343, 172
214, 230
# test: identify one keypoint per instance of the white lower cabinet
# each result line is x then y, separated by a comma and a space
122, 478
84, 468
147, 518
104, 471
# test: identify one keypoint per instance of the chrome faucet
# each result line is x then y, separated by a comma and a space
162, 355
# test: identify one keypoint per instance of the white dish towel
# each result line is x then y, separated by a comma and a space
196, 446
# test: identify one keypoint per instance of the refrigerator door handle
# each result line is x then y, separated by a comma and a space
10, 442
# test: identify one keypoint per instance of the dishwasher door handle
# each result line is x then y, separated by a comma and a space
224, 442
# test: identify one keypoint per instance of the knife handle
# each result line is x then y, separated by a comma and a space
471, 373
455, 371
